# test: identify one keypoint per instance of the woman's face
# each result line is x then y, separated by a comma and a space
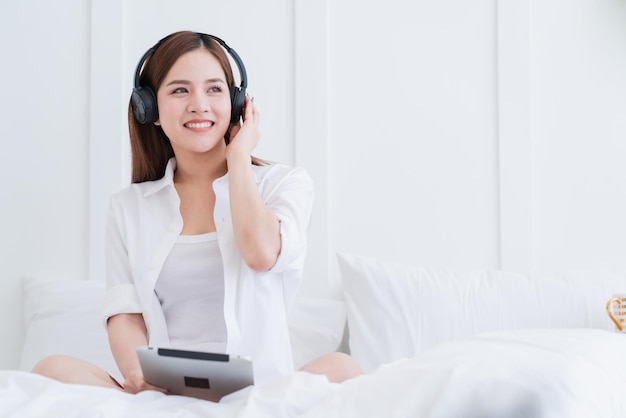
194, 103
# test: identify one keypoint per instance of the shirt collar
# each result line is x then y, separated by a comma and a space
166, 180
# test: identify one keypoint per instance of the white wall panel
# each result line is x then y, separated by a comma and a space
579, 130
44, 120
413, 131
515, 142
311, 76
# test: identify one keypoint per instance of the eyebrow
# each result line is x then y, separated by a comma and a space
186, 82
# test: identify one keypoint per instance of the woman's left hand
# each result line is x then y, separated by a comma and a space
245, 137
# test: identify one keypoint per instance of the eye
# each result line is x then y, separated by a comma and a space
215, 89
179, 90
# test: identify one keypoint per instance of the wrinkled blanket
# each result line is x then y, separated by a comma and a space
526, 373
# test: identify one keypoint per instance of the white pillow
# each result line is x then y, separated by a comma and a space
63, 317
396, 310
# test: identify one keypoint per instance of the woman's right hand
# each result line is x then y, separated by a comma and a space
136, 383
126, 333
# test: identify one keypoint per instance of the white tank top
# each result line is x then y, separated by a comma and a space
190, 288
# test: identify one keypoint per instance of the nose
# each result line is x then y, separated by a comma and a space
198, 103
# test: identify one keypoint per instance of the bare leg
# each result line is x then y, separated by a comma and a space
336, 366
68, 369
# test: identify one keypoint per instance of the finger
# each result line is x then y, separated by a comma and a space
142, 387
255, 112
250, 109
157, 388
131, 389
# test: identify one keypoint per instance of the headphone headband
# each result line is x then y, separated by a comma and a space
143, 98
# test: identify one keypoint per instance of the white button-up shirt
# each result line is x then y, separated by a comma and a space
143, 224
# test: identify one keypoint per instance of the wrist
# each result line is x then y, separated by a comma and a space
238, 156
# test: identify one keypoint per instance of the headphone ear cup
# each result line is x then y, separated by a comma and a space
237, 100
144, 103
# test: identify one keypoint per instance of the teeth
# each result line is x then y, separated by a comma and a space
199, 125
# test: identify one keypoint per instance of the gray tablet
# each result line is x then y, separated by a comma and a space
193, 373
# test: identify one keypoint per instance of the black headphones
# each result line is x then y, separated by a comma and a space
144, 101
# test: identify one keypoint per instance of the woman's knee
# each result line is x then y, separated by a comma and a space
338, 367
68, 369
56, 367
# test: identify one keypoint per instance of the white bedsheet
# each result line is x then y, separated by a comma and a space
565, 373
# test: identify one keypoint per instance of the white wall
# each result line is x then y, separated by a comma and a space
44, 120
484, 134
579, 134
414, 131
479, 134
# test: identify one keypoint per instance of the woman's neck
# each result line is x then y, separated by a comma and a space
199, 169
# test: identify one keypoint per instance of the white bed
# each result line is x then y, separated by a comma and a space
433, 343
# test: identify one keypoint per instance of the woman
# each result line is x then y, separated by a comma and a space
205, 249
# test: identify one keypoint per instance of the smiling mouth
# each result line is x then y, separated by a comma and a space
198, 125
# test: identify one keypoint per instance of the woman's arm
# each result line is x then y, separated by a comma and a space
256, 228
126, 333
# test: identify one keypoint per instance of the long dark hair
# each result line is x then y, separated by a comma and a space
150, 147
